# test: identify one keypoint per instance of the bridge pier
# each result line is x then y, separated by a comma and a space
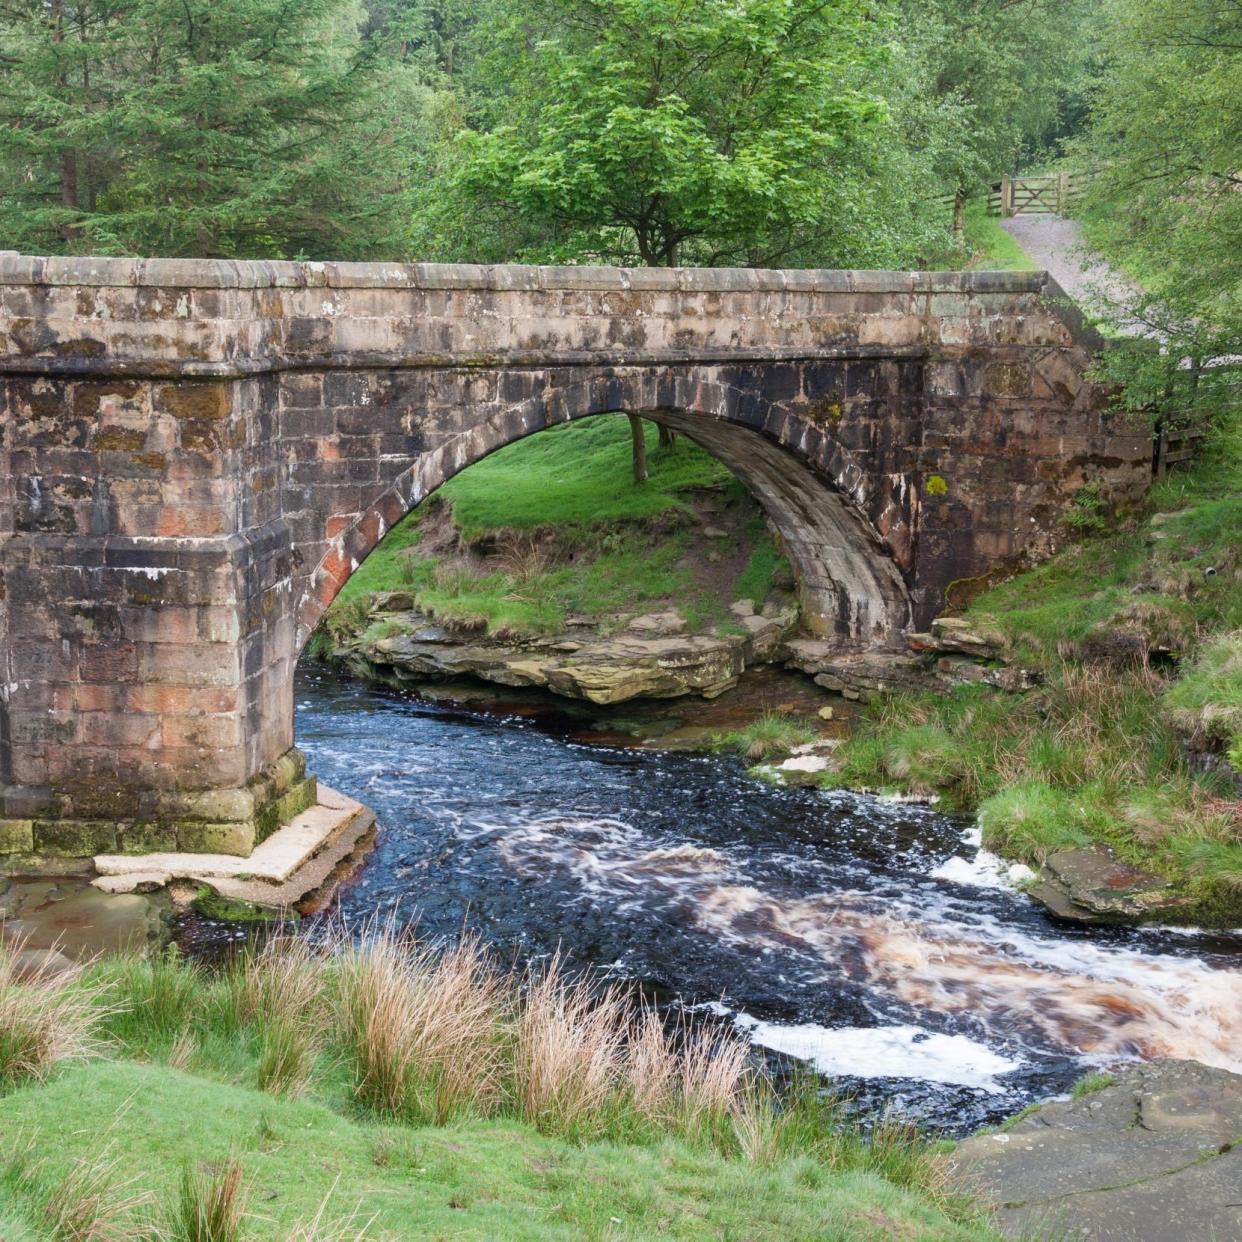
195, 456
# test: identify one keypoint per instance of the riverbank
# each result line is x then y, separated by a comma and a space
1089, 709
1120, 775
383, 1091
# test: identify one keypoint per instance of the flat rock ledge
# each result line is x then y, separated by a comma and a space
291, 865
1093, 885
1152, 1158
650, 656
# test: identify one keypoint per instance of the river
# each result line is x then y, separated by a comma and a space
867, 937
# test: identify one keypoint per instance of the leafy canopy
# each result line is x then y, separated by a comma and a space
666, 132
1165, 144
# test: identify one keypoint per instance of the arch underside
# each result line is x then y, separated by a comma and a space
850, 586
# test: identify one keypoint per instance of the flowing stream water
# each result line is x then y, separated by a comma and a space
867, 937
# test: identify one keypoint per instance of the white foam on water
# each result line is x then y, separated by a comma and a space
884, 1052
982, 868
931, 954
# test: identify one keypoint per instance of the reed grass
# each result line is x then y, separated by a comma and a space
211, 1206
45, 1019
409, 1035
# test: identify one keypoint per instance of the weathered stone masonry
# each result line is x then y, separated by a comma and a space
196, 455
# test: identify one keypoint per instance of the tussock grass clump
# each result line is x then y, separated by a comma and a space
771, 735
211, 1206
45, 1019
568, 1050
1206, 701
92, 1202
155, 997
421, 1028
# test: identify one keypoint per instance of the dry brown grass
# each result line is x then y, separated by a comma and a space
45, 1019
568, 1044
422, 1026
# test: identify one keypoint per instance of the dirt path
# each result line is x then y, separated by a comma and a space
1057, 244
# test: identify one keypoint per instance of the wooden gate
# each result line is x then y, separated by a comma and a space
1014, 196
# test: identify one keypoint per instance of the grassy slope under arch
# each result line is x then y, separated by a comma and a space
582, 536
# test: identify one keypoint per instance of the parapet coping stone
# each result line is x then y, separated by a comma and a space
273, 860
17, 269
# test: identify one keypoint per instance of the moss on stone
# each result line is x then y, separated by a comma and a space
211, 905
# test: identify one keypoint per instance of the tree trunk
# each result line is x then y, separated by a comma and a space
959, 214
638, 441
667, 436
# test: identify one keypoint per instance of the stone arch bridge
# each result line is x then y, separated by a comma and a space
195, 455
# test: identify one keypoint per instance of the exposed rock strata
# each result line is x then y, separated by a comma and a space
1152, 1158
651, 656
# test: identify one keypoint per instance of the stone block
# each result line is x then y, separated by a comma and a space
16, 836
147, 838
72, 838
206, 838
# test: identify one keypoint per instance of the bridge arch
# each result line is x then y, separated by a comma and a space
850, 585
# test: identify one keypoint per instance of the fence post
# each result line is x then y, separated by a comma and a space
1063, 189
1006, 195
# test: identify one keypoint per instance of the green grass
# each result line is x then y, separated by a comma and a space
771, 735
583, 538
494, 1180
1096, 754
1089, 1084
153, 1119
990, 247
578, 474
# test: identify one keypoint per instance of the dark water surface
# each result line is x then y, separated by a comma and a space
863, 935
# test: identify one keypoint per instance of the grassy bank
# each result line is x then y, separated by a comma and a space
989, 248
1139, 632
387, 1092
555, 526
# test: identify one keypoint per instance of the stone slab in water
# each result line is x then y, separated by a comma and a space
1150, 1158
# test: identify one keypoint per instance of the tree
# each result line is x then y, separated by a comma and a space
660, 132
206, 127
991, 82
1165, 203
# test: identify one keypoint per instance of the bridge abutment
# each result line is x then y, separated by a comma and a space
196, 456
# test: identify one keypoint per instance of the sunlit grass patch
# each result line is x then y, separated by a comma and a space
772, 734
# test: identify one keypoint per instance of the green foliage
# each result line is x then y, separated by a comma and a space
1207, 699
655, 132
203, 127
988, 246
1164, 203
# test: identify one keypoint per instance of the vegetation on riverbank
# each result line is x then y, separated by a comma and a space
1135, 737
382, 1090
554, 526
